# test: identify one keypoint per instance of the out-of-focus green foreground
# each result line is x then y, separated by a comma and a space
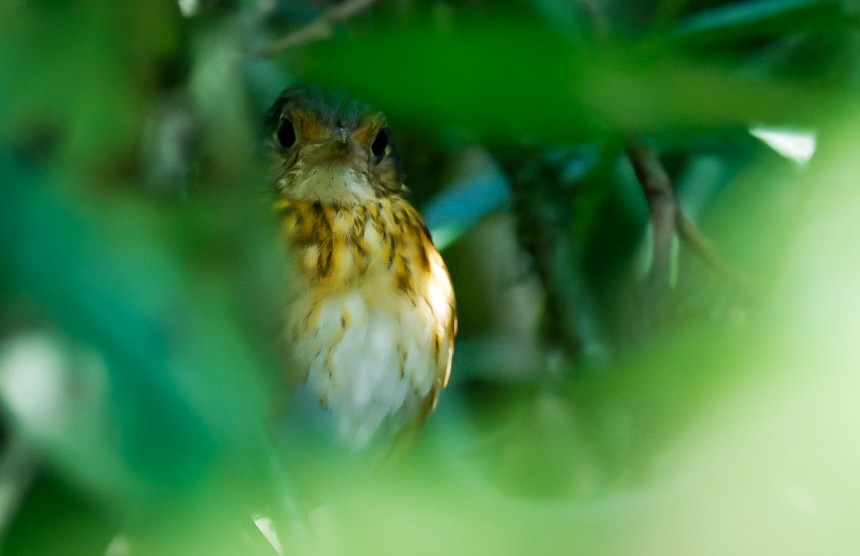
141, 280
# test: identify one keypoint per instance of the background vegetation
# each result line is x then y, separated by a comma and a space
649, 209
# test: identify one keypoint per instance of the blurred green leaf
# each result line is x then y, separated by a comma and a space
180, 384
759, 19
564, 17
82, 69
51, 521
506, 82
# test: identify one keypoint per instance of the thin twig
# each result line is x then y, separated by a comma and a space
667, 218
319, 29
689, 232
657, 188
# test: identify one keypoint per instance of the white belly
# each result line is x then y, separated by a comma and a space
368, 359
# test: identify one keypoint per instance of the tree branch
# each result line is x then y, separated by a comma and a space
667, 218
705, 248
319, 29
662, 208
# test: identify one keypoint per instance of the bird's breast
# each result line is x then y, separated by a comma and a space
370, 323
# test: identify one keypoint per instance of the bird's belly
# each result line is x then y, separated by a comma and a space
368, 355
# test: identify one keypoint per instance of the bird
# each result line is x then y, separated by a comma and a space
370, 314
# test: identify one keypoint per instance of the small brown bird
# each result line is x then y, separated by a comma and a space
371, 318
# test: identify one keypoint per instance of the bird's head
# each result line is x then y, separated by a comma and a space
329, 150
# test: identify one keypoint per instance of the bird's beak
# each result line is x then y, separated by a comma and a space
336, 148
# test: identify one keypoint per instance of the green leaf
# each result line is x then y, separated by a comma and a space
763, 18
146, 377
87, 69
507, 82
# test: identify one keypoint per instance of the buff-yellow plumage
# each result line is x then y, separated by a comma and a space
371, 318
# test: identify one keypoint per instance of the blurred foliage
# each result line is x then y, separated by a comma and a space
141, 277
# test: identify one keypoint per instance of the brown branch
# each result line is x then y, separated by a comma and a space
667, 218
319, 29
657, 188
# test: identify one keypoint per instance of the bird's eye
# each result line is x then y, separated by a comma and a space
379, 143
286, 134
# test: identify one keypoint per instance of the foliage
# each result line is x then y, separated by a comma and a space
615, 389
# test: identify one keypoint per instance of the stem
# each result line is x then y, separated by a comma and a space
319, 29
663, 209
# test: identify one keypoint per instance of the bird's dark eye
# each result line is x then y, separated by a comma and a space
379, 144
286, 134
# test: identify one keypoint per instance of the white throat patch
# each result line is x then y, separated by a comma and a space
331, 183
